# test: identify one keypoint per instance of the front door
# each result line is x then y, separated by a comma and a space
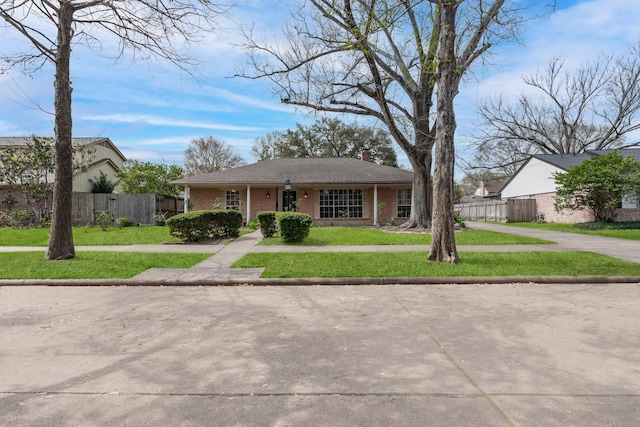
289, 200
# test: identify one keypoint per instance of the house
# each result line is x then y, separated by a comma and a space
94, 154
340, 190
536, 180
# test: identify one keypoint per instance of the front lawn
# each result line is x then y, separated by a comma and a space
348, 236
415, 264
89, 236
91, 265
621, 230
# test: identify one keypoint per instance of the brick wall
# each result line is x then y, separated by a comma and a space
545, 205
627, 215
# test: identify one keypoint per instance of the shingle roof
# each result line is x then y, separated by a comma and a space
565, 161
307, 171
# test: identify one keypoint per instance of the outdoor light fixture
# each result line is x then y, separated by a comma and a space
305, 195
287, 186
268, 195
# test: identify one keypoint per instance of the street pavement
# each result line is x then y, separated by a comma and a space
439, 355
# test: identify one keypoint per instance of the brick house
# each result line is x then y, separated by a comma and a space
535, 180
331, 190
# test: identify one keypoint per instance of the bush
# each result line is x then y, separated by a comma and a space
294, 226
213, 224
253, 224
123, 221
104, 218
268, 225
17, 219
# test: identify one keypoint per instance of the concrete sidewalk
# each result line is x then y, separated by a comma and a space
404, 356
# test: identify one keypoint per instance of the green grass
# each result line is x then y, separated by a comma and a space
347, 236
90, 236
613, 230
91, 265
414, 264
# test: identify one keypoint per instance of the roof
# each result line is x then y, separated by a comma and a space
565, 161
11, 141
304, 171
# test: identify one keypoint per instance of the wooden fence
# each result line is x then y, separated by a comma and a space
510, 210
139, 208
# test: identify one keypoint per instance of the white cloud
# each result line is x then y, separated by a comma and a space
162, 121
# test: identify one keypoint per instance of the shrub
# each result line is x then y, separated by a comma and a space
104, 218
123, 221
17, 219
253, 224
268, 225
197, 225
160, 218
294, 226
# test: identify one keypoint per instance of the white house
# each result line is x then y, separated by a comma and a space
536, 180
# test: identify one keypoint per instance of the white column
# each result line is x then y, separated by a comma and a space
248, 203
375, 204
186, 198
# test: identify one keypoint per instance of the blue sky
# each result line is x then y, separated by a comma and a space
151, 110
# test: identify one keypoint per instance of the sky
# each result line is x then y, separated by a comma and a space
151, 110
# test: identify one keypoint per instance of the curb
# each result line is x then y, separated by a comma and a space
333, 281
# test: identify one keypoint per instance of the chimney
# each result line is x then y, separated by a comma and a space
365, 156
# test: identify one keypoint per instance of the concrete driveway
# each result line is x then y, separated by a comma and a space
441, 355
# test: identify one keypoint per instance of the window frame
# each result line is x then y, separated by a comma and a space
403, 210
334, 203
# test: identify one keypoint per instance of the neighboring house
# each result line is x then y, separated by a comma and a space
536, 180
331, 190
486, 190
94, 154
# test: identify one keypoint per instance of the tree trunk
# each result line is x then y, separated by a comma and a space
421, 193
443, 247
61, 238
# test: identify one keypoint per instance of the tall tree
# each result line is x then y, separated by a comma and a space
381, 58
327, 138
568, 111
149, 28
209, 154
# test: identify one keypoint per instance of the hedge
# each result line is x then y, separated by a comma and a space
268, 224
197, 225
294, 226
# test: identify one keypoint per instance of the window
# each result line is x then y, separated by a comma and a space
404, 203
233, 199
340, 203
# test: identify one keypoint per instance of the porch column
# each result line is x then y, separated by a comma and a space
375, 204
186, 198
248, 203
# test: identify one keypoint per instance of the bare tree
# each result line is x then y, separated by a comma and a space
381, 58
148, 28
209, 154
593, 107
367, 58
